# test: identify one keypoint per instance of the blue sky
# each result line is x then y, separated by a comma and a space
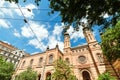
48, 29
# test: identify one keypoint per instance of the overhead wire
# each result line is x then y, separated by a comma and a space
26, 21
10, 30
26, 8
29, 9
30, 19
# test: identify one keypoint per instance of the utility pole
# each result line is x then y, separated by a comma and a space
44, 65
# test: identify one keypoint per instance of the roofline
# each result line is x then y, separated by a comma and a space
84, 45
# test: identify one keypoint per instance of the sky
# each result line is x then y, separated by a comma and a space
40, 31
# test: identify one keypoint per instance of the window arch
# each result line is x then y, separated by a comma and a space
23, 64
40, 61
48, 76
60, 57
100, 58
86, 75
67, 60
31, 62
5, 53
50, 59
39, 76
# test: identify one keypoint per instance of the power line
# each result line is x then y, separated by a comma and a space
30, 19
30, 11
36, 39
26, 8
29, 25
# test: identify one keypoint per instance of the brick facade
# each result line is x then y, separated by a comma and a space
87, 59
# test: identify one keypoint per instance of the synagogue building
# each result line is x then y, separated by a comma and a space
87, 60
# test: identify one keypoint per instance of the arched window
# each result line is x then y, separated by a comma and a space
5, 53
39, 76
67, 60
31, 62
86, 75
40, 61
100, 58
23, 64
60, 58
50, 59
90, 36
48, 76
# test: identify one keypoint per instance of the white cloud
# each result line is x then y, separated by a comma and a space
5, 24
28, 13
57, 32
75, 35
61, 45
40, 32
55, 37
46, 38
25, 10
13, 9
37, 45
57, 29
7, 42
53, 42
26, 32
6, 11
50, 38
106, 16
35, 53
84, 20
39, 29
16, 33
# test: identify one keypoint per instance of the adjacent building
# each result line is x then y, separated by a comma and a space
87, 60
10, 53
116, 65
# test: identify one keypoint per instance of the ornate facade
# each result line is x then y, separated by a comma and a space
87, 59
10, 53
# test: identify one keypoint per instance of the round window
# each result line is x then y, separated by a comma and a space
82, 59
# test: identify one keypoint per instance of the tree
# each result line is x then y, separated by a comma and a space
72, 11
111, 43
106, 76
6, 69
62, 71
29, 74
17, 1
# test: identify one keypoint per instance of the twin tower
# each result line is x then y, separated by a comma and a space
87, 33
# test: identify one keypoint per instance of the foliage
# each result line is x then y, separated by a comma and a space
29, 74
17, 1
72, 11
6, 69
62, 71
106, 76
48, 77
111, 43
